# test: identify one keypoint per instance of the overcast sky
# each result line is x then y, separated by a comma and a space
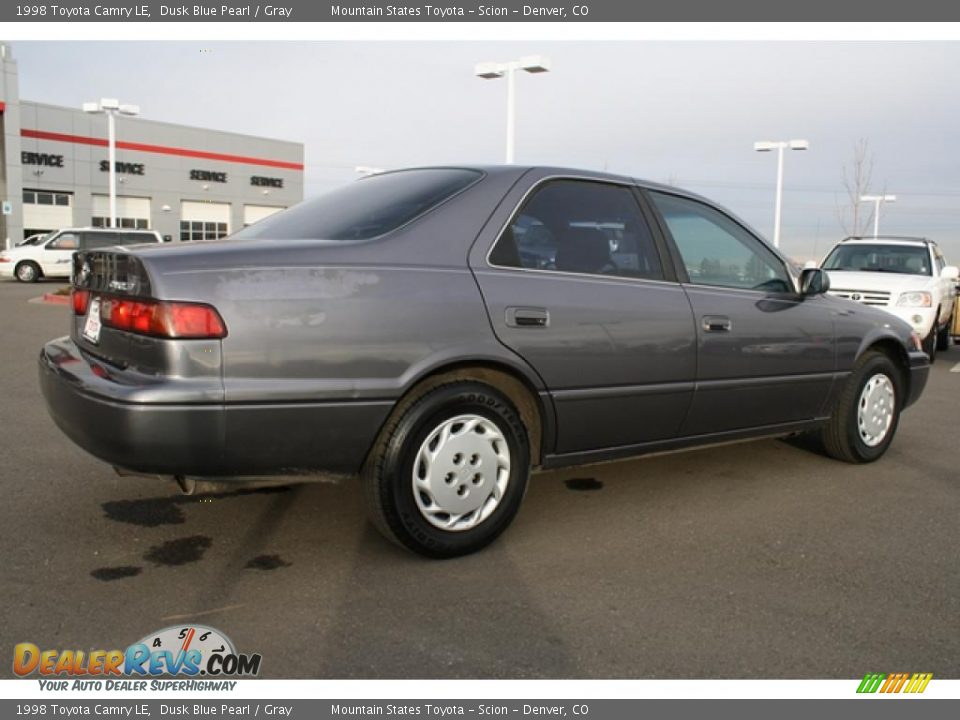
680, 112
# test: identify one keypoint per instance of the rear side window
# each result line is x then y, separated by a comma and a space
580, 226
367, 208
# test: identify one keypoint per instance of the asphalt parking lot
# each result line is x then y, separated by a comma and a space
759, 560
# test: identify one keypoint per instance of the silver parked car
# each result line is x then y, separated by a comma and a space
442, 331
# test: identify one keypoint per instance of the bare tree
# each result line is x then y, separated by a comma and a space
854, 219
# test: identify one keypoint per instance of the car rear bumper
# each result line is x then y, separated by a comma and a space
919, 372
201, 439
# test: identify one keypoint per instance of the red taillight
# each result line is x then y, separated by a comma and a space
163, 319
80, 300
194, 321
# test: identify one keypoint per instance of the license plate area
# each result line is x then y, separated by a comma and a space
92, 325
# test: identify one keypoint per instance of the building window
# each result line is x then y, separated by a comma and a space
123, 222
37, 197
193, 230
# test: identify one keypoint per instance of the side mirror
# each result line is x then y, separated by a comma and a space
814, 281
950, 272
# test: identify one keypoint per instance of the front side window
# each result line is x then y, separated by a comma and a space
580, 226
366, 208
67, 241
879, 257
716, 250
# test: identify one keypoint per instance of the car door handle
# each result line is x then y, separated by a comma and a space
717, 323
527, 317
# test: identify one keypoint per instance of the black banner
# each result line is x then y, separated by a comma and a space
559, 11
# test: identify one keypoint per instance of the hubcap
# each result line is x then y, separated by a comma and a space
461, 472
875, 409
26, 272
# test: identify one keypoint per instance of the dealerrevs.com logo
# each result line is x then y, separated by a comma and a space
178, 651
910, 683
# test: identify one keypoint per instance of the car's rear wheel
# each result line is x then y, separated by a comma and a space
27, 271
450, 471
943, 337
868, 412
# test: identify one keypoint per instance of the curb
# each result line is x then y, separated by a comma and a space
52, 299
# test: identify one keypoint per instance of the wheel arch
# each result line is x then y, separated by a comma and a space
894, 349
502, 376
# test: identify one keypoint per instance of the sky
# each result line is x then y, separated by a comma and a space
686, 113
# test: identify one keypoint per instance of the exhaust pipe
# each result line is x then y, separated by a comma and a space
187, 485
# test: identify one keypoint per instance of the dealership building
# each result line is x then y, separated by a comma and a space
186, 183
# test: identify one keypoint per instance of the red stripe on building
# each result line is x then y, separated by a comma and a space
160, 149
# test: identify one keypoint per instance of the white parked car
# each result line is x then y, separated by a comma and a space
907, 277
52, 256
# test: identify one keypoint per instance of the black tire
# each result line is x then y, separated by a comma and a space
841, 436
929, 344
27, 272
943, 337
388, 475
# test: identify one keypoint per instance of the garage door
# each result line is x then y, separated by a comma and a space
253, 213
204, 221
132, 212
45, 210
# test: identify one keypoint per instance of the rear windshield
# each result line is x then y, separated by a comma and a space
96, 240
366, 208
865, 257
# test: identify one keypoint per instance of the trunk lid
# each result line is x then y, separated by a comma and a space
130, 357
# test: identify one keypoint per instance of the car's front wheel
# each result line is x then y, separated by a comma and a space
866, 417
450, 471
943, 337
27, 271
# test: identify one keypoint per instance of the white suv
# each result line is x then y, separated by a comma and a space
51, 256
907, 277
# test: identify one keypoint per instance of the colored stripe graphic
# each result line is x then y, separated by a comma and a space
160, 149
894, 683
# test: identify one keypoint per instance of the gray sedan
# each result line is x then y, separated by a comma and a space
440, 332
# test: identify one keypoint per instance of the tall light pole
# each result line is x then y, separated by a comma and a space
779, 146
111, 107
877, 200
493, 70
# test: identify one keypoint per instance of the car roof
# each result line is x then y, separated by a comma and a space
888, 240
519, 170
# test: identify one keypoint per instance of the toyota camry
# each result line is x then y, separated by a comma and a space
442, 332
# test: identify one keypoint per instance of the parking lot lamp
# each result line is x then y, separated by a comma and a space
494, 70
111, 107
779, 146
877, 200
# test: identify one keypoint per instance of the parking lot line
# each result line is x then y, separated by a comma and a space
955, 368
